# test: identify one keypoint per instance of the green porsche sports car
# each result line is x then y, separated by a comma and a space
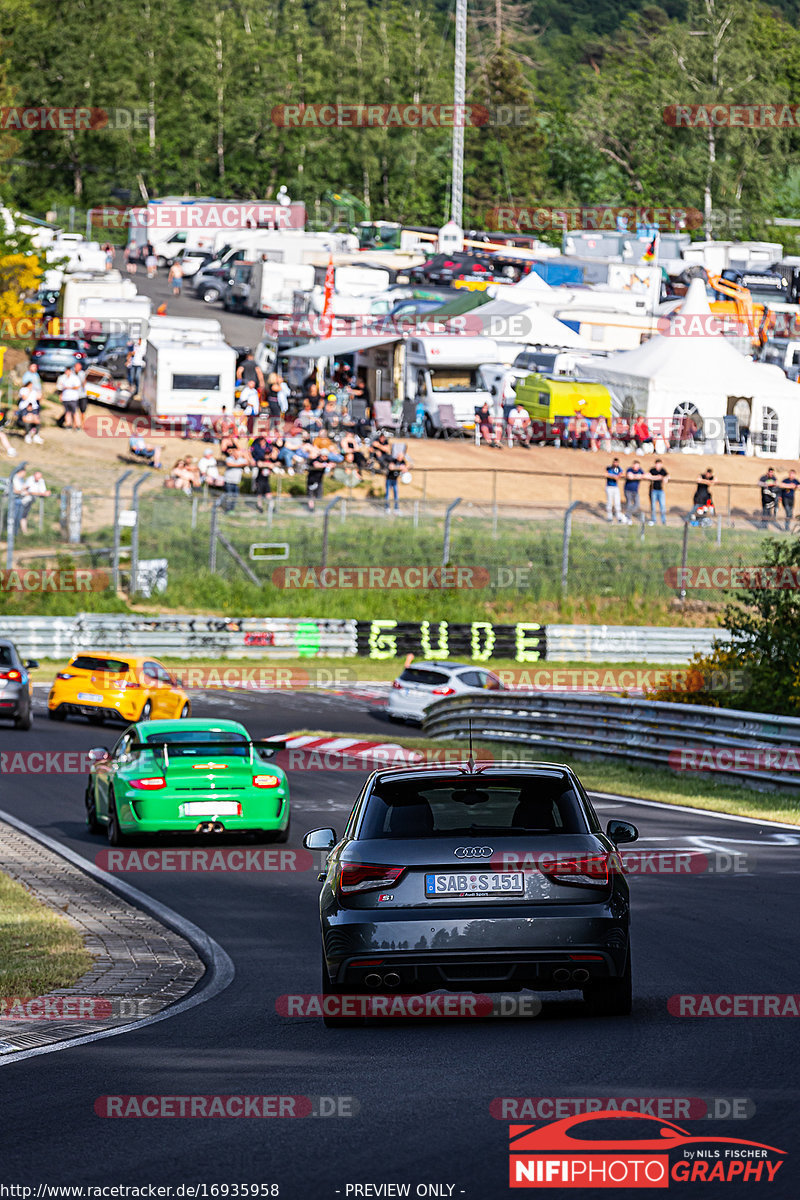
187, 776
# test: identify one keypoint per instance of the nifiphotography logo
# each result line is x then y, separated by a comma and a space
586, 1151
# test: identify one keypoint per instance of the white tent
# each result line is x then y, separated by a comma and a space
694, 371
522, 322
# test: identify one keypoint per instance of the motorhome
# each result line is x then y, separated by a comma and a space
447, 370
92, 284
266, 287
716, 256
282, 246
113, 315
187, 373
73, 254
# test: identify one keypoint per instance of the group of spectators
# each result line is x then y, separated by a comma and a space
630, 478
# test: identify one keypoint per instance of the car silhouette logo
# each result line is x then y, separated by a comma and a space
473, 851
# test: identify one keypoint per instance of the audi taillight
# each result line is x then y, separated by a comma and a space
149, 784
16, 676
444, 691
583, 870
363, 877
266, 781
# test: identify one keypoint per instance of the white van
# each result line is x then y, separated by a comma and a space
114, 315
267, 287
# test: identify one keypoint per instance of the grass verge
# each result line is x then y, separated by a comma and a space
39, 949
646, 783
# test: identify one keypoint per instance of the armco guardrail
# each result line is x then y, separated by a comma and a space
742, 746
628, 643
179, 636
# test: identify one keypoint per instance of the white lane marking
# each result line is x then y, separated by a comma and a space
697, 812
724, 846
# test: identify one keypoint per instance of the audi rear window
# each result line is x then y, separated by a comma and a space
473, 807
420, 675
113, 666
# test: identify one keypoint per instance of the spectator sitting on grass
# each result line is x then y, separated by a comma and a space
139, 448
208, 470
350, 444
183, 476
225, 429
381, 451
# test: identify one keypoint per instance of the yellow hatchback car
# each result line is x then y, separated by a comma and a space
126, 689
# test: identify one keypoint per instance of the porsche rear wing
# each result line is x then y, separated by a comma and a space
264, 747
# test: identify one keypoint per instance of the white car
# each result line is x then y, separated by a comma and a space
422, 684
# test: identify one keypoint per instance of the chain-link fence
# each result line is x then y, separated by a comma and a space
209, 549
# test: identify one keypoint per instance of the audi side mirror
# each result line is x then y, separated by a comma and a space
621, 831
320, 839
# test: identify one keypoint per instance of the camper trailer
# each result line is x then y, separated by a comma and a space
447, 370
113, 315
189, 369
266, 287
83, 285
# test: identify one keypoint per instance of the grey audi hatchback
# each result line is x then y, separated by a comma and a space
482, 877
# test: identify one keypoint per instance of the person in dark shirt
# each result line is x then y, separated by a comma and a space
261, 454
788, 487
702, 493
769, 496
613, 502
633, 477
658, 480
315, 474
394, 469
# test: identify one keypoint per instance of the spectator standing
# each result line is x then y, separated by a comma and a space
150, 261
68, 386
175, 277
235, 462
250, 403
613, 501
129, 254
633, 477
135, 363
789, 486
394, 469
249, 372
659, 478
769, 496
315, 474
260, 454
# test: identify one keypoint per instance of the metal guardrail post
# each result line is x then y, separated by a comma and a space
447, 518
115, 557
565, 546
135, 534
684, 557
11, 516
212, 544
325, 518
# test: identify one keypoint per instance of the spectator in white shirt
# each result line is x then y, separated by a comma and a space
69, 387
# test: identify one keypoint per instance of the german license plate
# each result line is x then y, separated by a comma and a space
210, 808
475, 884
89, 696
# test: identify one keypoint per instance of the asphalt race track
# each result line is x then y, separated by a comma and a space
423, 1090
